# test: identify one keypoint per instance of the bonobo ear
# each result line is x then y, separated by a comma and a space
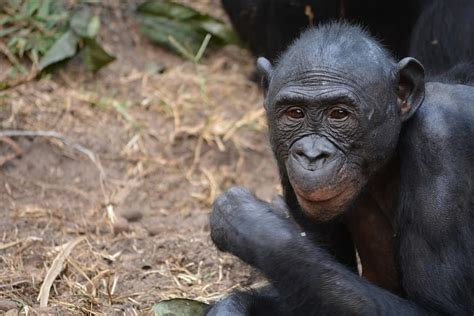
265, 69
411, 86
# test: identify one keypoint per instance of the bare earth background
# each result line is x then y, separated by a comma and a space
170, 136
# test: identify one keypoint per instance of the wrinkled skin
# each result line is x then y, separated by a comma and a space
357, 134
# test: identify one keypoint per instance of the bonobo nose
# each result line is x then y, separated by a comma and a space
313, 152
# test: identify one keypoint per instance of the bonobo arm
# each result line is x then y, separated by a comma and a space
308, 280
265, 300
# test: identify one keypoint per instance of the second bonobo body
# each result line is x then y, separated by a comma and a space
370, 157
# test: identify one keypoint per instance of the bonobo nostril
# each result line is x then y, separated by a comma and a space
312, 152
310, 157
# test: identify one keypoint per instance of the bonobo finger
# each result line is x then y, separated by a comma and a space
239, 192
218, 226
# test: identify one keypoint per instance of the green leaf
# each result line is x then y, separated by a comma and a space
20, 46
15, 4
44, 9
93, 27
162, 20
80, 22
7, 31
219, 30
65, 47
30, 6
95, 57
179, 307
5, 19
167, 8
4, 85
84, 25
160, 29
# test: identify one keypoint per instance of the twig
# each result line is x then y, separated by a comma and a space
202, 49
11, 58
188, 55
7, 158
14, 146
14, 243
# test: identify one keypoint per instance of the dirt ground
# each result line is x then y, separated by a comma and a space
168, 136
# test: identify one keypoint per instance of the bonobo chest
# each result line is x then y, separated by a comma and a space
373, 237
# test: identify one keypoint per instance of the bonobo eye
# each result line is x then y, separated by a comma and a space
295, 112
338, 114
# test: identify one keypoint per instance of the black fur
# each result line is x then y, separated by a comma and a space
439, 33
269, 26
443, 36
406, 143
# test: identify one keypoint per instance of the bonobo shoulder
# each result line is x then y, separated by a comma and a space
447, 112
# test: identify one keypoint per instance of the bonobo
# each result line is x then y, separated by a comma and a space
372, 158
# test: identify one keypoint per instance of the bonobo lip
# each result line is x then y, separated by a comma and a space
321, 185
319, 195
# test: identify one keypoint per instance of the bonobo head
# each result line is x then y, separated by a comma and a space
335, 104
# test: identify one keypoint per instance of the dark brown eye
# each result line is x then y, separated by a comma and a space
338, 114
295, 113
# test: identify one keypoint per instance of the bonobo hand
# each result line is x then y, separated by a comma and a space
248, 227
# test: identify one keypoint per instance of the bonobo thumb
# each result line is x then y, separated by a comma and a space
217, 227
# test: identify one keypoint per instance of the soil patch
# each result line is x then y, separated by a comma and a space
170, 136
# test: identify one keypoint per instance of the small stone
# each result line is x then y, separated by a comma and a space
153, 227
121, 225
132, 215
6, 305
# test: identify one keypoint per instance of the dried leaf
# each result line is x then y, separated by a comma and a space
55, 270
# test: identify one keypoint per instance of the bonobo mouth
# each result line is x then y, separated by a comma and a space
318, 184
324, 207
321, 197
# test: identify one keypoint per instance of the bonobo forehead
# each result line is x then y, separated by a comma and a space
333, 54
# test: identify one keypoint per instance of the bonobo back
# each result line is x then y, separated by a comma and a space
444, 118
438, 149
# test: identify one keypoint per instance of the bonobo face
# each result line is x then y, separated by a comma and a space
333, 125
325, 134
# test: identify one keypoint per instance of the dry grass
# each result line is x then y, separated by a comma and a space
168, 143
